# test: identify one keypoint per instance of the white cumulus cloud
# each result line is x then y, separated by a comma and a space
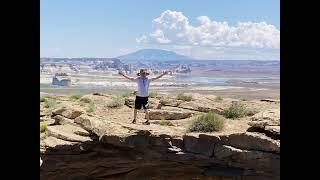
173, 28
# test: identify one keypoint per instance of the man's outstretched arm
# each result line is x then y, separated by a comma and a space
128, 77
156, 78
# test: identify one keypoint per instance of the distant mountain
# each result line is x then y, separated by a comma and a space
153, 55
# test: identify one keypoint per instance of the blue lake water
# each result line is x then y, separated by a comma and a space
218, 80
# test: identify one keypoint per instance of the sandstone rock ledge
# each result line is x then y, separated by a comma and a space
80, 146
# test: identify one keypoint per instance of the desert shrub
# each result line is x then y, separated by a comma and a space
164, 122
81, 103
49, 97
75, 97
42, 99
207, 123
50, 103
184, 97
115, 103
251, 112
43, 127
125, 94
153, 94
218, 98
85, 100
236, 110
91, 107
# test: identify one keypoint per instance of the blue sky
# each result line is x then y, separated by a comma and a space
109, 28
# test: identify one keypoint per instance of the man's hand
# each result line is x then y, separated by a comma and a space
156, 78
120, 72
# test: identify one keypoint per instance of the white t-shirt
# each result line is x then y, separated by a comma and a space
143, 86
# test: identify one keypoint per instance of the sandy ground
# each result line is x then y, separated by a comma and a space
124, 115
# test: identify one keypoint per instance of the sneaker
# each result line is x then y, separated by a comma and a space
146, 123
134, 121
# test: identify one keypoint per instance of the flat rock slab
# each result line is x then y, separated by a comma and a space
200, 144
60, 120
53, 142
170, 102
68, 133
258, 160
97, 99
267, 121
271, 100
196, 106
70, 113
272, 115
251, 141
168, 115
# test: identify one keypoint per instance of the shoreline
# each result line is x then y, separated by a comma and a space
245, 91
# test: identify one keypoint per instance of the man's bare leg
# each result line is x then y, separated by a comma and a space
134, 116
146, 116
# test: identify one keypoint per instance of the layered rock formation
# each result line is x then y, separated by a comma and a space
79, 145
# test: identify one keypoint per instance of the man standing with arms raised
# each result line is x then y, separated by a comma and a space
143, 92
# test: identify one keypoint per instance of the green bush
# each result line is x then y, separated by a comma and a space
218, 98
207, 123
85, 100
164, 122
43, 127
184, 97
125, 94
115, 103
42, 99
236, 110
75, 97
91, 107
82, 103
50, 103
49, 97
153, 94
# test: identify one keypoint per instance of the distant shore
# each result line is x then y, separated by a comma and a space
245, 91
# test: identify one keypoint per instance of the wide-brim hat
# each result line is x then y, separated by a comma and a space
142, 71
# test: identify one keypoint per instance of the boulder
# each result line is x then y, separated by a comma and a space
251, 112
272, 115
60, 120
153, 103
275, 130
70, 113
68, 133
96, 98
224, 151
42, 114
271, 100
170, 102
91, 124
129, 101
200, 107
262, 161
52, 142
47, 121
86, 99
267, 122
251, 141
97, 94
202, 144
168, 115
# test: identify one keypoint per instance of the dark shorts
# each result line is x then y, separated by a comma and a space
141, 102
